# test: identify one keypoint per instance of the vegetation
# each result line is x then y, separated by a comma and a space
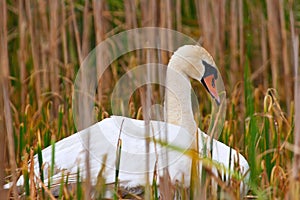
255, 45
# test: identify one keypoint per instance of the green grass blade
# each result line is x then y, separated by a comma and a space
22, 137
52, 161
40, 160
251, 127
61, 187
26, 182
47, 138
60, 120
78, 186
266, 135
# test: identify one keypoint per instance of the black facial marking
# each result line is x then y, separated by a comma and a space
209, 70
204, 84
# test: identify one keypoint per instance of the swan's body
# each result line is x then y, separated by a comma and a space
104, 138
181, 129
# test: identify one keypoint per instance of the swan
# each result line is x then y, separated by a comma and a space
189, 61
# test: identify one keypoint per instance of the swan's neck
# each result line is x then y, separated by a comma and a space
178, 105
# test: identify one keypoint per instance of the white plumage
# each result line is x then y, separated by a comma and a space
187, 62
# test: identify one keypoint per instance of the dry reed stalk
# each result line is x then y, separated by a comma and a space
163, 56
295, 40
132, 22
49, 193
31, 176
2, 143
144, 5
101, 26
285, 58
215, 9
178, 16
22, 53
274, 39
86, 116
76, 32
166, 189
169, 11
53, 50
86, 30
3, 147
241, 49
234, 68
87, 184
8, 122
222, 30
153, 13
44, 30
99, 20
145, 94
210, 25
148, 19
34, 51
67, 67
5, 85
264, 49
205, 21
201, 9
128, 18
241, 34
162, 17
99, 32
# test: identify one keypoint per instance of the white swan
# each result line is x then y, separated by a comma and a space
187, 62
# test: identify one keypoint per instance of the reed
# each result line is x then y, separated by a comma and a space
3, 159
5, 85
255, 44
295, 185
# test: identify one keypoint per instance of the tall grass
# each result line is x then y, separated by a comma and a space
295, 185
253, 42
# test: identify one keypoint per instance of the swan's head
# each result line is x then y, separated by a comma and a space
198, 64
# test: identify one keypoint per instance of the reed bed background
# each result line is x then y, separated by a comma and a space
255, 45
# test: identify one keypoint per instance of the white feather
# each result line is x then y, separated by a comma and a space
70, 152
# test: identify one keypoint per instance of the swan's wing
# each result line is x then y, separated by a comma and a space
227, 157
103, 136
223, 154
134, 154
68, 153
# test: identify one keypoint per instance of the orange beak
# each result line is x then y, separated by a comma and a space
210, 85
